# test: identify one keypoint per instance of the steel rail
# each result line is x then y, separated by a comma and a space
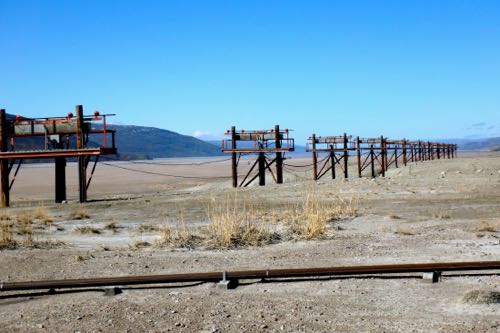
251, 274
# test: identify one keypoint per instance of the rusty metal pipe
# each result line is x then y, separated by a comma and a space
251, 274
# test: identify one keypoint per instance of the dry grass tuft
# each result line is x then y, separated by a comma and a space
147, 228
482, 297
87, 230
7, 240
231, 225
310, 219
24, 224
112, 226
178, 237
42, 244
488, 226
4, 216
139, 245
80, 258
407, 231
41, 214
441, 215
79, 213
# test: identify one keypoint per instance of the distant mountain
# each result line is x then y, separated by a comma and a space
216, 143
485, 144
149, 142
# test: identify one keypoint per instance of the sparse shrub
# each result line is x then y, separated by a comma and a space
4, 216
40, 213
310, 219
79, 258
42, 244
441, 215
139, 245
482, 297
231, 225
407, 231
147, 228
24, 224
178, 237
488, 226
87, 230
112, 226
79, 213
7, 240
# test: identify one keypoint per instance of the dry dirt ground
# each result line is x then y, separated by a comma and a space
442, 210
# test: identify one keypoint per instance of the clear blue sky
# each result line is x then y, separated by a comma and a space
415, 69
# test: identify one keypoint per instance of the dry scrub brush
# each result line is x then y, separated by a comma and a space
79, 214
179, 236
147, 228
489, 226
441, 215
24, 224
7, 240
406, 231
86, 230
231, 223
41, 214
310, 218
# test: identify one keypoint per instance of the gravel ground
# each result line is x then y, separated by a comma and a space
427, 212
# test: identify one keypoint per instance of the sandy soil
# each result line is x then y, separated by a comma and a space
426, 212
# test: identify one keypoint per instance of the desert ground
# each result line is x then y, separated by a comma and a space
139, 223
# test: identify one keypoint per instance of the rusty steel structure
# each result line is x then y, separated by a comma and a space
57, 132
371, 153
263, 143
253, 274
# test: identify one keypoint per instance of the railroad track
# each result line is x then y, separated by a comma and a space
251, 274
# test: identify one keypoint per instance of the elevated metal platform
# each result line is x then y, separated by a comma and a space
262, 143
60, 134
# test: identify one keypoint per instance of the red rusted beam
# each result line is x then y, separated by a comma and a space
57, 153
253, 274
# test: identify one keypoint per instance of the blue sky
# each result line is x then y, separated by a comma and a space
415, 69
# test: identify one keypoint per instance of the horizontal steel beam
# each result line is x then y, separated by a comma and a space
57, 153
252, 274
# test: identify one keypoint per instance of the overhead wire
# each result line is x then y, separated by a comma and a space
170, 164
306, 165
162, 174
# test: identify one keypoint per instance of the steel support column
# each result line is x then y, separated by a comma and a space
234, 161
279, 156
4, 163
82, 160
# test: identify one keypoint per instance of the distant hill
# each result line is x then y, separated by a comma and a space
141, 142
485, 144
